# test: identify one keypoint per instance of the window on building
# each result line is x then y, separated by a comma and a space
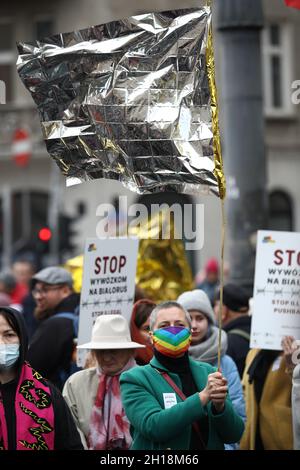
7, 57
43, 27
277, 69
28, 214
30, 211
281, 211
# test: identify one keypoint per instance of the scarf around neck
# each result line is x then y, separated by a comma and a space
207, 350
109, 426
34, 413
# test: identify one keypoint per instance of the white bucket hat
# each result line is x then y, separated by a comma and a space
111, 332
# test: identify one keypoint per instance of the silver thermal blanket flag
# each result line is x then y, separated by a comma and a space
132, 100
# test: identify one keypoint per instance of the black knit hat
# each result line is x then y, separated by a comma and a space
235, 298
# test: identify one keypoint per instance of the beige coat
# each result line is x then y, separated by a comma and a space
80, 392
274, 410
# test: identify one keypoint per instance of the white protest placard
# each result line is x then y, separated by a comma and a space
108, 282
276, 306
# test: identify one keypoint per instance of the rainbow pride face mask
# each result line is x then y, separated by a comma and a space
172, 341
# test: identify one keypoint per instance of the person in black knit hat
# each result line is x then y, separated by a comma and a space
236, 322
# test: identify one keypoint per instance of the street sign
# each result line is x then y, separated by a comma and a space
293, 3
21, 147
276, 306
108, 283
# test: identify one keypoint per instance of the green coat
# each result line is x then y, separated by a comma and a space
157, 428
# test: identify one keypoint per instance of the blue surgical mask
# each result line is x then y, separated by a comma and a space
9, 354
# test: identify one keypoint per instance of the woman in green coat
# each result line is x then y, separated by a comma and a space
175, 402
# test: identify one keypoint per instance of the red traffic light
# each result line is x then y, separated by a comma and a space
45, 234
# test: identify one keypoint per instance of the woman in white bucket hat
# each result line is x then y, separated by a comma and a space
93, 395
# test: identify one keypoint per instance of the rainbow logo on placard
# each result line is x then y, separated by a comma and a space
268, 240
92, 247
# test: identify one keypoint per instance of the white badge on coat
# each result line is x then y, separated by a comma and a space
169, 400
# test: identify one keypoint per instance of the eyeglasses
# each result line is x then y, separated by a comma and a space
44, 291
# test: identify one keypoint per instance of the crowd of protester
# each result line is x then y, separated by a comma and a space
152, 382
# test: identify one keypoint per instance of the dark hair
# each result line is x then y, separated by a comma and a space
9, 280
11, 321
142, 313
